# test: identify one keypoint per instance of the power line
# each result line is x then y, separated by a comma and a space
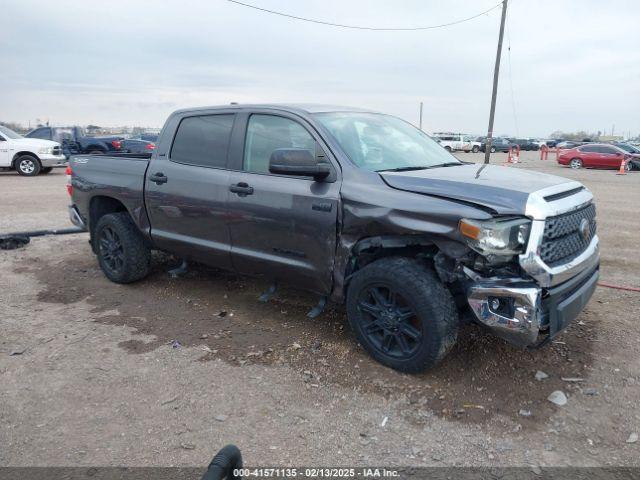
360, 27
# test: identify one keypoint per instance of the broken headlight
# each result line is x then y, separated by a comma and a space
496, 237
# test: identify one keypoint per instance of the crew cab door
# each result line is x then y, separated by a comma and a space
186, 188
282, 227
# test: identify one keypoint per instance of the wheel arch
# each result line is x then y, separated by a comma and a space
369, 249
99, 206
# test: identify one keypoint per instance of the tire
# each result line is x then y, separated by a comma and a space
122, 253
575, 163
401, 314
46, 170
475, 149
448, 149
27, 165
493, 150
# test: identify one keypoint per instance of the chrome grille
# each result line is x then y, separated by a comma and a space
57, 150
563, 241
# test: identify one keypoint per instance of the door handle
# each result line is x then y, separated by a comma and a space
242, 189
158, 178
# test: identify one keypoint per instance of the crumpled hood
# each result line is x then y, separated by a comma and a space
504, 190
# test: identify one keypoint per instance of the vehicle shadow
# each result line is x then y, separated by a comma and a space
220, 314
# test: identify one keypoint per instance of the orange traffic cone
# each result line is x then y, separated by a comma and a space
507, 162
623, 168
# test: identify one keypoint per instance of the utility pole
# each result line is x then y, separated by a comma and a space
496, 71
420, 115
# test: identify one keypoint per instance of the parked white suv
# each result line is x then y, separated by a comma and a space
29, 156
457, 141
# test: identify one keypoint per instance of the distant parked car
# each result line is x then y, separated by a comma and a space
525, 143
627, 147
596, 155
150, 137
74, 140
552, 143
454, 141
634, 161
498, 144
567, 144
28, 156
136, 145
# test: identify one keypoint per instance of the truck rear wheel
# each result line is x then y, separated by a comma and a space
27, 165
122, 253
402, 314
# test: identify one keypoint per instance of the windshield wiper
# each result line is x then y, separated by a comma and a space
448, 164
402, 169
426, 167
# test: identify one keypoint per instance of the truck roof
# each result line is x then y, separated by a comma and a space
289, 107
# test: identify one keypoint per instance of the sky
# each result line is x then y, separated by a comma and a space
567, 64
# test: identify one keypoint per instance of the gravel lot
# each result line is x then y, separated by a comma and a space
89, 374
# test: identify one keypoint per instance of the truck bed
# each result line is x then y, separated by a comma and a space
120, 176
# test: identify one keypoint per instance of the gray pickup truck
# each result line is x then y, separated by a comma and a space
358, 207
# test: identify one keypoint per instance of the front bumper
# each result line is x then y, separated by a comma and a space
525, 314
53, 160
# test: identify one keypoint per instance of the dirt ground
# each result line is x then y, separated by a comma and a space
167, 371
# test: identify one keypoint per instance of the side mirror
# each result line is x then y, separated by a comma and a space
299, 162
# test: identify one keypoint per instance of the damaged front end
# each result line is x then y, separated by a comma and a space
551, 274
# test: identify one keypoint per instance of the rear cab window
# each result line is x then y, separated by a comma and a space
203, 140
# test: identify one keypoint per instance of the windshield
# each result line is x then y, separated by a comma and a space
7, 132
381, 142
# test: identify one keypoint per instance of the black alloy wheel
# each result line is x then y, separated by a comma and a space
111, 250
389, 321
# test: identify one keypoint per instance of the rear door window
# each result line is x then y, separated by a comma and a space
203, 140
607, 150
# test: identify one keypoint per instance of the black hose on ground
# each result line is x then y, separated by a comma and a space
224, 463
11, 241
42, 233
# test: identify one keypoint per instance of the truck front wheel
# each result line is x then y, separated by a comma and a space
27, 165
402, 314
122, 253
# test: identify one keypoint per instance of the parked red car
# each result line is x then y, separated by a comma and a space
595, 155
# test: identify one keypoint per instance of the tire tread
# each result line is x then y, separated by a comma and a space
137, 253
429, 297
